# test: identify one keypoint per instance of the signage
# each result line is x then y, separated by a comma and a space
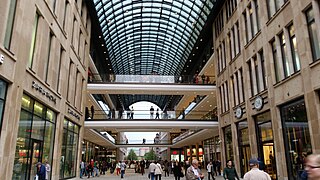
238, 112
258, 103
43, 91
1, 58
74, 114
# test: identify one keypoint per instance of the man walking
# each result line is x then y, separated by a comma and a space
255, 173
209, 169
151, 112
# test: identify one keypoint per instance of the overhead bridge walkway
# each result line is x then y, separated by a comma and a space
150, 124
191, 136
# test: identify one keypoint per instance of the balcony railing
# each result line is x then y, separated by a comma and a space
159, 79
145, 114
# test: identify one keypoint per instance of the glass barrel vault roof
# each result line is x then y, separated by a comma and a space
151, 36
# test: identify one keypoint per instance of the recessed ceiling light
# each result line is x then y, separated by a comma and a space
105, 52
190, 60
102, 45
200, 39
99, 36
197, 47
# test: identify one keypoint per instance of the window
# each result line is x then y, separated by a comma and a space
275, 60
35, 141
33, 40
238, 91
69, 152
228, 143
10, 21
287, 61
297, 136
313, 35
3, 94
263, 70
274, 6
251, 20
244, 146
284, 56
294, 50
47, 62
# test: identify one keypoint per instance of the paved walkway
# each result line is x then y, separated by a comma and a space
130, 175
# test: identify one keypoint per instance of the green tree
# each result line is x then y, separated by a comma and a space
132, 155
151, 155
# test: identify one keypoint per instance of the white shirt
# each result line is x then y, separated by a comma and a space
152, 167
256, 174
209, 167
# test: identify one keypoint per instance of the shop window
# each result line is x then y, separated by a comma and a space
265, 143
35, 138
244, 146
69, 152
228, 143
297, 136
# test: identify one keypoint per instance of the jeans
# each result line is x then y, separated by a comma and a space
152, 176
122, 173
82, 172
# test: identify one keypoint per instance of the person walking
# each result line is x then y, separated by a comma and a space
177, 170
48, 169
142, 166
230, 172
151, 112
122, 168
41, 171
209, 169
255, 173
118, 168
158, 171
166, 168
131, 112
82, 169
312, 166
157, 114
152, 168
193, 172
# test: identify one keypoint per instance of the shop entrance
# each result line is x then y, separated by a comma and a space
267, 156
35, 156
245, 156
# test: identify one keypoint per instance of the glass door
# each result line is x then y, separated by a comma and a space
36, 154
245, 157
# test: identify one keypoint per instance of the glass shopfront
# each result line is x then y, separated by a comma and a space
296, 135
265, 143
228, 143
3, 92
96, 152
69, 153
35, 138
244, 146
212, 149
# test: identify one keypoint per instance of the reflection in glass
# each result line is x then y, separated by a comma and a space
69, 151
228, 143
244, 146
296, 132
35, 139
265, 144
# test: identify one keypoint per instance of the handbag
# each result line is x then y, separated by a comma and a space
181, 174
36, 177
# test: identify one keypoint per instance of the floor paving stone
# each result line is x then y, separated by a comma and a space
130, 175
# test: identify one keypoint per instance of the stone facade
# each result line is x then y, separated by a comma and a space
259, 25
45, 56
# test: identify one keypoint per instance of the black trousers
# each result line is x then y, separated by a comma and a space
210, 174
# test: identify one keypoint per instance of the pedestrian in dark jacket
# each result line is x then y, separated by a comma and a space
230, 172
41, 171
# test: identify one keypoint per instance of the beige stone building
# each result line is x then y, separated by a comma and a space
267, 63
268, 79
44, 49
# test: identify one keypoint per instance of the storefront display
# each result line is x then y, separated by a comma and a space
297, 136
35, 138
265, 143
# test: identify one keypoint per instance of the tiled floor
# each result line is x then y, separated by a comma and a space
130, 175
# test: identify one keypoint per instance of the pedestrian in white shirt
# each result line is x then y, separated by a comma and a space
158, 171
209, 169
255, 173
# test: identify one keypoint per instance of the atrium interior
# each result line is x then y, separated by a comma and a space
212, 80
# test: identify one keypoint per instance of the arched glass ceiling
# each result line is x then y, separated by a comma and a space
151, 36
